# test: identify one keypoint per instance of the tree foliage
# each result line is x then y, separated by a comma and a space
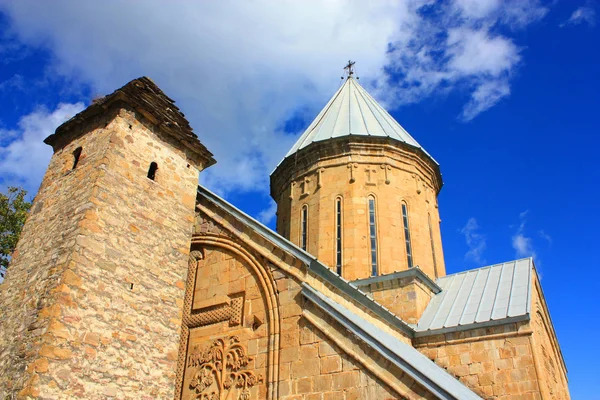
13, 212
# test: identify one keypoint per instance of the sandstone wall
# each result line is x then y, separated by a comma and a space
550, 365
405, 297
353, 173
316, 357
101, 269
496, 362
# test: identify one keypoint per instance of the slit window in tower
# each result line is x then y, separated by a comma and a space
76, 156
152, 170
304, 226
432, 246
338, 235
407, 236
373, 236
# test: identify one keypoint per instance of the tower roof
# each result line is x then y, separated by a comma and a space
353, 112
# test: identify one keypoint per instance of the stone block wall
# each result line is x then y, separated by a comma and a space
496, 362
353, 172
405, 297
106, 249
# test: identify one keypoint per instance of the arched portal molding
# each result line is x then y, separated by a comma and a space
267, 286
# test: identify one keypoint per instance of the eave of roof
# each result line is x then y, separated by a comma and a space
412, 272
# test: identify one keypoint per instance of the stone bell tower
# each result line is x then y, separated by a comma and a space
359, 193
91, 307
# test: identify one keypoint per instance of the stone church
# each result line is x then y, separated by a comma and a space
130, 281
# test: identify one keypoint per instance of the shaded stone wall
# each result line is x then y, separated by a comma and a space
353, 172
551, 369
496, 362
405, 297
101, 268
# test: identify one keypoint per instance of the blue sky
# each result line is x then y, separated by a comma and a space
505, 95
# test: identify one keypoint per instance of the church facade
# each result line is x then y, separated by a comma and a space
131, 281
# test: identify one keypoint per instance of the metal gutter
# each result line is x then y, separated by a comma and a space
408, 359
475, 325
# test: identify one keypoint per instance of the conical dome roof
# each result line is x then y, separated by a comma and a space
352, 111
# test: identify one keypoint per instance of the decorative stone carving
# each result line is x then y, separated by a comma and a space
229, 309
370, 172
220, 371
319, 181
204, 226
292, 184
304, 185
417, 181
352, 167
386, 168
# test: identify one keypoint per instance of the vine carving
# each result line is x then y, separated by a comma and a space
220, 371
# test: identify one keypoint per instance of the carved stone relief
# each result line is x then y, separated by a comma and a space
223, 302
220, 371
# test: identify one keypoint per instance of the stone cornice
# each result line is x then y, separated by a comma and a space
345, 149
383, 281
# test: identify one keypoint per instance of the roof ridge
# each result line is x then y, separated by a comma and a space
484, 267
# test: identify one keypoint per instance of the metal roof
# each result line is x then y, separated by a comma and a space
352, 111
480, 297
406, 357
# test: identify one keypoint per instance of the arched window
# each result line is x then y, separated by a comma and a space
152, 170
338, 235
407, 235
432, 246
76, 155
373, 235
304, 227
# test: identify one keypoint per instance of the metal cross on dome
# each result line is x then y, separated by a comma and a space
350, 67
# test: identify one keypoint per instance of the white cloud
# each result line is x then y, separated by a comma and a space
23, 160
581, 15
475, 240
268, 214
545, 236
523, 244
239, 69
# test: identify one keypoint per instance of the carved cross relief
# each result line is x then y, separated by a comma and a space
386, 169
352, 167
304, 185
219, 309
370, 178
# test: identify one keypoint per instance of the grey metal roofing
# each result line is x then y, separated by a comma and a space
352, 111
480, 297
411, 361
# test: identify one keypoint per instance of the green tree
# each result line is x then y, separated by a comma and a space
13, 212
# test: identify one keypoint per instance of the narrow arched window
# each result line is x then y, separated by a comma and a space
338, 235
432, 246
304, 227
373, 236
407, 236
76, 155
152, 170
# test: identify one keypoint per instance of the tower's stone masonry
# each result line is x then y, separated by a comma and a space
98, 275
353, 169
